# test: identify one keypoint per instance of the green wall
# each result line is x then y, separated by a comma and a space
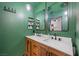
13, 29
76, 16
76, 11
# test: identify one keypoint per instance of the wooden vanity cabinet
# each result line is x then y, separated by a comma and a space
38, 49
28, 47
34, 48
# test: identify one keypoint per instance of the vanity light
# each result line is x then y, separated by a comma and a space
65, 13
28, 7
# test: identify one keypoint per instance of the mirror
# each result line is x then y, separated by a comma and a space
58, 16
40, 15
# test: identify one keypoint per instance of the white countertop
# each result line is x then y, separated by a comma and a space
65, 45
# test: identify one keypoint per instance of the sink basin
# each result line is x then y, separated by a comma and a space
46, 40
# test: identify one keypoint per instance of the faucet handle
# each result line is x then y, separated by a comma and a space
52, 38
59, 39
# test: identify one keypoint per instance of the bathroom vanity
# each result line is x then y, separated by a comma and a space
45, 46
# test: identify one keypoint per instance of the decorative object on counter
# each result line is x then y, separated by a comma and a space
30, 22
37, 24
8, 9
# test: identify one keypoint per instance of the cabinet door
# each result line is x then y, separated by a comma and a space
28, 46
35, 48
43, 51
54, 52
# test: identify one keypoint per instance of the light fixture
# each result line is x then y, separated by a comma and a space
65, 13
28, 7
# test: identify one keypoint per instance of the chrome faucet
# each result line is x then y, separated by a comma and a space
55, 36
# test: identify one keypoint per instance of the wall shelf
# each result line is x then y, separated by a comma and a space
37, 24
30, 23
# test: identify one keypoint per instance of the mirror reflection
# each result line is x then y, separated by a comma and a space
58, 16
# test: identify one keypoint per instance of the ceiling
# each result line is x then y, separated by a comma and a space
56, 7
35, 4
52, 6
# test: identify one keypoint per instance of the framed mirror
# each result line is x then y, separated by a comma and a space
58, 16
40, 16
